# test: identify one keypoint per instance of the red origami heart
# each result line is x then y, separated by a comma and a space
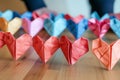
2, 39
73, 52
18, 46
45, 50
107, 54
99, 28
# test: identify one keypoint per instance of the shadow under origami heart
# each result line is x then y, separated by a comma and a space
107, 54
73, 51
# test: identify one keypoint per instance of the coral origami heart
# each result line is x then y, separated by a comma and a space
12, 26
73, 51
46, 49
107, 54
19, 46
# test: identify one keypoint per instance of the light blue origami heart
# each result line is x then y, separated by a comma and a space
27, 14
96, 16
115, 26
55, 25
9, 15
77, 29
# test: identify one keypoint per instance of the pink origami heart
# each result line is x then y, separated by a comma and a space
45, 50
43, 16
107, 54
19, 46
73, 52
32, 27
76, 19
99, 28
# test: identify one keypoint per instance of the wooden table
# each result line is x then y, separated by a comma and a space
30, 67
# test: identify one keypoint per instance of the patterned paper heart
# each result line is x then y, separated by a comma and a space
55, 25
12, 26
73, 51
77, 29
76, 19
32, 27
9, 15
45, 50
17, 47
115, 26
99, 28
107, 54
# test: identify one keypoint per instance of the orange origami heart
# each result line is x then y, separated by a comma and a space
73, 52
19, 46
107, 54
45, 50
12, 26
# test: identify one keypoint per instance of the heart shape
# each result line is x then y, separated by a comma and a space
77, 29
73, 51
32, 27
27, 14
115, 26
55, 25
43, 16
19, 46
96, 16
9, 15
12, 26
107, 54
99, 28
2, 39
76, 19
45, 50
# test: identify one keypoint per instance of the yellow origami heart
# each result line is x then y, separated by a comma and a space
12, 26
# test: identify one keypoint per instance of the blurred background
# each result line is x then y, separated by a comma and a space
73, 7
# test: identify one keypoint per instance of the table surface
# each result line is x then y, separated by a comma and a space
30, 67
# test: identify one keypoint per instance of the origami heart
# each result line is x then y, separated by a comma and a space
73, 52
27, 14
9, 15
2, 39
32, 27
43, 16
107, 54
77, 29
45, 50
76, 19
55, 25
12, 26
99, 28
115, 26
96, 16
19, 46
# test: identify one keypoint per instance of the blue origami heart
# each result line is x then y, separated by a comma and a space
77, 29
55, 25
9, 15
27, 15
115, 26
96, 16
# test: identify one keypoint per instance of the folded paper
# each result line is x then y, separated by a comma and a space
45, 49
55, 25
99, 28
77, 29
76, 19
27, 14
9, 15
115, 26
32, 27
107, 54
12, 26
73, 51
19, 46
2, 39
